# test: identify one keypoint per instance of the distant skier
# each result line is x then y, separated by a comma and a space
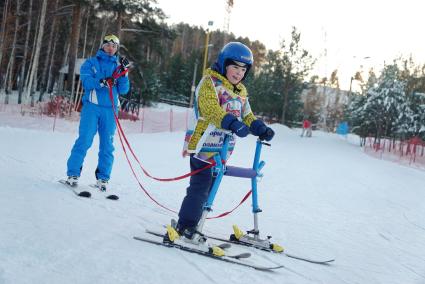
307, 125
221, 104
97, 114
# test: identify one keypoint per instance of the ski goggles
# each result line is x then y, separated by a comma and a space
111, 39
237, 63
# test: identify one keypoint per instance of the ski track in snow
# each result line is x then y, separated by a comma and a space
286, 267
413, 223
413, 271
203, 270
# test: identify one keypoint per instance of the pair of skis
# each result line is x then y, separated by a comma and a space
236, 259
85, 193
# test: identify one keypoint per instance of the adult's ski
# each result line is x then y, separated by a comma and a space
85, 193
236, 259
74, 189
243, 243
109, 196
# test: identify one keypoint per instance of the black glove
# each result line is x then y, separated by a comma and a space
258, 128
109, 81
124, 62
268, 135
230, 122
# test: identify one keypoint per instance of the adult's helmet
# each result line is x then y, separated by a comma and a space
234, 51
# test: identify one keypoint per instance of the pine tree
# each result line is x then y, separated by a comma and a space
417, 105
387, 103
296, 63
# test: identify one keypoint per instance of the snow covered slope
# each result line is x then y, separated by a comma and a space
321, 197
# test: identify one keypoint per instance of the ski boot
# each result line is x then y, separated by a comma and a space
190, 237
72, 181
102, 184
193, 237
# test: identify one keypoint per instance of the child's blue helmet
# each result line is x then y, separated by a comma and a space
234, 51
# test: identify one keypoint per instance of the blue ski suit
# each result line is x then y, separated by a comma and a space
97, 114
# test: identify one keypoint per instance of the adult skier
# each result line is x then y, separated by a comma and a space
97, 114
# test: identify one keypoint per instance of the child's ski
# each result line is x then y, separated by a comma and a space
227, 258
316, 261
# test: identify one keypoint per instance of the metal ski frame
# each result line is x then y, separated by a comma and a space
221, 169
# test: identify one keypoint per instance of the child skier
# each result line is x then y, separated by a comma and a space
221, 104
97, 114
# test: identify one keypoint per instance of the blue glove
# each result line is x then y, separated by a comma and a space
258, 128
230, 122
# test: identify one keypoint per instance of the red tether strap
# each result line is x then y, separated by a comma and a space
116, 75
122, 136
228, 212
134, 174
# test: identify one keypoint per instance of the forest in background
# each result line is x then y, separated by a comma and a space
39, 37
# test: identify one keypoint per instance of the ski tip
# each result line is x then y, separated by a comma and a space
276, 267
112, 197
84, 194
323, 262
225, 245
242, 255
271, 268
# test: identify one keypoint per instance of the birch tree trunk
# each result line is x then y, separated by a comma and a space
64, 63
77, 96
48, 57
94, 41
75, 35
31, 62
33, 80
11, 63
85, 32
3, 29
50, 75
24, 60
119, 23
105, 26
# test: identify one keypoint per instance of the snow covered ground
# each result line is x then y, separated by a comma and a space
321, 197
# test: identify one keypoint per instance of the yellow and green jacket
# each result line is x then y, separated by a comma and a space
215, 96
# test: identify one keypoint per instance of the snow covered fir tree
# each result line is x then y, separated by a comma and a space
387, 110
